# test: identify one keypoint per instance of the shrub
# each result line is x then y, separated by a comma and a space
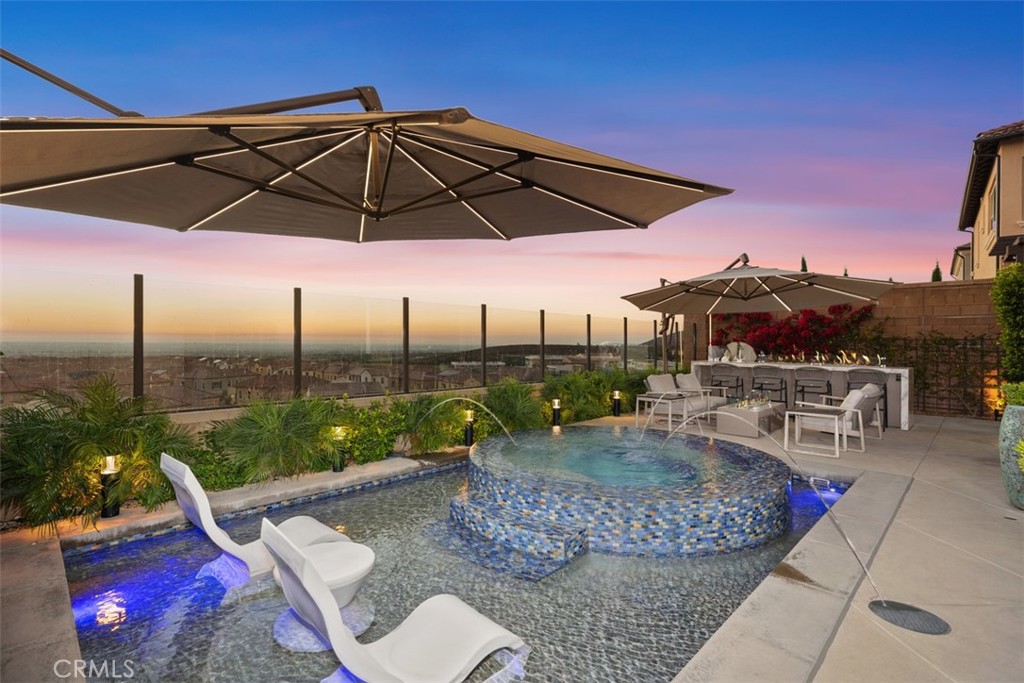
433, 421
1008, 298
271, 440
372, 430
583, 395
804, 332
512, 405
1013, 393
53, 452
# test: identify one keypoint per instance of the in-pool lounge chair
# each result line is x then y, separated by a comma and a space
345, 565
442, 641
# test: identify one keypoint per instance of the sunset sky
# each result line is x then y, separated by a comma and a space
845, 129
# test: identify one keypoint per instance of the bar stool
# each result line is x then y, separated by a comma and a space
856, 378
811, 380
728, 376
771, 380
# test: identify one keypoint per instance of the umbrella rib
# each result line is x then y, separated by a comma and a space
437, 180
149, 166
279, 178
455, 200
453, 186
529, 184
639, 175
83, 179
265, 186
226, 133
387, 164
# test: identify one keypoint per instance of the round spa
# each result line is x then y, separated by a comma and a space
629, 495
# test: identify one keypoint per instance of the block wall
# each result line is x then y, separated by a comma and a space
956, 308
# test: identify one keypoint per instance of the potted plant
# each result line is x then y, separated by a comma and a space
1011, 442
1008, 299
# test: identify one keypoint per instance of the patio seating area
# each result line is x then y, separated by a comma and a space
928, 514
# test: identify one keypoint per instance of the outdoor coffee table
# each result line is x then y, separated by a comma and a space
737, 421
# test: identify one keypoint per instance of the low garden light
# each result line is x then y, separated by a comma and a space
616, 403
340, 434
108, 478
556, 412
469, 428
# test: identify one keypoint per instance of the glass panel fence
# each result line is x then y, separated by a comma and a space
209, 347
606, 344
351, 346
62, 330
513, 345
641, 350
444, 347
565, 343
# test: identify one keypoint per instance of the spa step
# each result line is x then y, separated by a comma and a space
471, 546
533, 536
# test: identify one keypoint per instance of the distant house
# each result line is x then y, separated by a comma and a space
993, 205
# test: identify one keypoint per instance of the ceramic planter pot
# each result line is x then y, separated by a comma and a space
1011, 431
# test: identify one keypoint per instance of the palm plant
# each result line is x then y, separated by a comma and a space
434, 421
514, 405
55, 448
271, 440
584, 395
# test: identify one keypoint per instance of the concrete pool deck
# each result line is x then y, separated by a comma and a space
928, 514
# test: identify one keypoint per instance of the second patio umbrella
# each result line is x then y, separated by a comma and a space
749, 289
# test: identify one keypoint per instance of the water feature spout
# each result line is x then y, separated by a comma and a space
474, 402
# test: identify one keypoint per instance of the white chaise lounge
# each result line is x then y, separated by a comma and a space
344, 564
442, 641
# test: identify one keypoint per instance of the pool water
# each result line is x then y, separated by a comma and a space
602, 618
615, 457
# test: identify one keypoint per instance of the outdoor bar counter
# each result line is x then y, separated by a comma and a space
898, 383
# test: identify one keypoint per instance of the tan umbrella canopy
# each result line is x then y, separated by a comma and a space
359, 177
748, 289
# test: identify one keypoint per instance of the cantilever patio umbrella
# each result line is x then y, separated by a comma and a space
359, 177
748, 289
742, 288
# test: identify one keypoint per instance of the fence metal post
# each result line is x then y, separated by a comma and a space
625, 344
138, 361
405, 345
543, 362
654, 343
589, 364
297, 341
483, 345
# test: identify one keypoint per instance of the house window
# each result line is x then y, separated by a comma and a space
993, 208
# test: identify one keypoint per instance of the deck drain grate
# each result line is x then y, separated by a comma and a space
910, 617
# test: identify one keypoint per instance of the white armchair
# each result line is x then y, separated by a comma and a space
843, 421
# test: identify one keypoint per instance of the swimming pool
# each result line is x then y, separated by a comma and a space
603, 618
